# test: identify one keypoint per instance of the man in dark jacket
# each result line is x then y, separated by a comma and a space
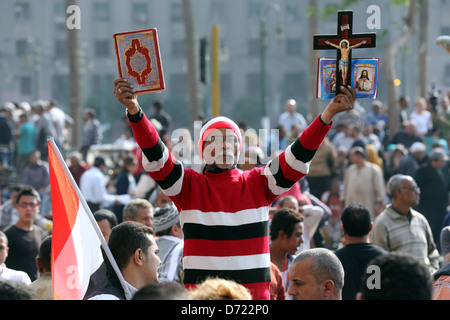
134, 249
433, 180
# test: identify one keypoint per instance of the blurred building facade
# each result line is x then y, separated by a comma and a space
33, 50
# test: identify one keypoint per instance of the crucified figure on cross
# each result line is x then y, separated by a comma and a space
344, 63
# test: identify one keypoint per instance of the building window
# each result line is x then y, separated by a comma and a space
293, 13
295, 85
102, 11
445, 30
102, 48
140, 13
59, 15
218, 11
225, 87
176, 12
254, 47
60, 87
25, 85
178, 50
254, 11
254, 84
447, 75
60, 49
101, 82
22, 12
294, 47
22, 48
178, 83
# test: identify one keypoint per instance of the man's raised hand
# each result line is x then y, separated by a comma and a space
342, 102
124, 92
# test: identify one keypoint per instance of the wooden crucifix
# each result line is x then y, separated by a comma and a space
344, 42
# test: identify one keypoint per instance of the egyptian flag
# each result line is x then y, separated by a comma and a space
76, 238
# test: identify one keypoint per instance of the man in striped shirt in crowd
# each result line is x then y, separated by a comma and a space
223, 211
400, 228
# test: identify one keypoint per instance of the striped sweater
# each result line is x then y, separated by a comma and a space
225, 215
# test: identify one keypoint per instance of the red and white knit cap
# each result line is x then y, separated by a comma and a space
218, 123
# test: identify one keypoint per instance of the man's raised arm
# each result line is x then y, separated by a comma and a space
157, 160
294, 161
144, 132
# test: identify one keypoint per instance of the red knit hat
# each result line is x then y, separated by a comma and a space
218, 123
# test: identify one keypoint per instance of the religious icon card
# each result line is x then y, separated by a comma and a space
139, 60
326, 78
364, 78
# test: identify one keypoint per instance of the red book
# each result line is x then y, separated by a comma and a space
139, 61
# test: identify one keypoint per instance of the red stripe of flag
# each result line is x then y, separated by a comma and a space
65, 202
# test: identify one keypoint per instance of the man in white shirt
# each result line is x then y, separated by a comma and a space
5, 272
290, 117
59, 119
92, 186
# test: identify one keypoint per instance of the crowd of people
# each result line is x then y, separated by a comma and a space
347, 200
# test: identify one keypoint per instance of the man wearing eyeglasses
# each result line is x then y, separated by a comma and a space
24, 236
400, 228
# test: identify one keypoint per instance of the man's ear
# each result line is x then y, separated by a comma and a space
176, 229
138, 257
39, 265
281, 235
328, 286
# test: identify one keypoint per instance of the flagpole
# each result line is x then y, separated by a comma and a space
90, 215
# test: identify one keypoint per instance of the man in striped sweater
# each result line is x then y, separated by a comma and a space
224, 212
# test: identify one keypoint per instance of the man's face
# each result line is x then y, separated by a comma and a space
105, 228
145, 216
419, 154
3, 250
34, 157
303, 283
421, 105
296, 239
291, 204
437, 164
28, 208
152, 261
13, 196
291, 106
410, 129
354, 157
409, 193
221, 148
